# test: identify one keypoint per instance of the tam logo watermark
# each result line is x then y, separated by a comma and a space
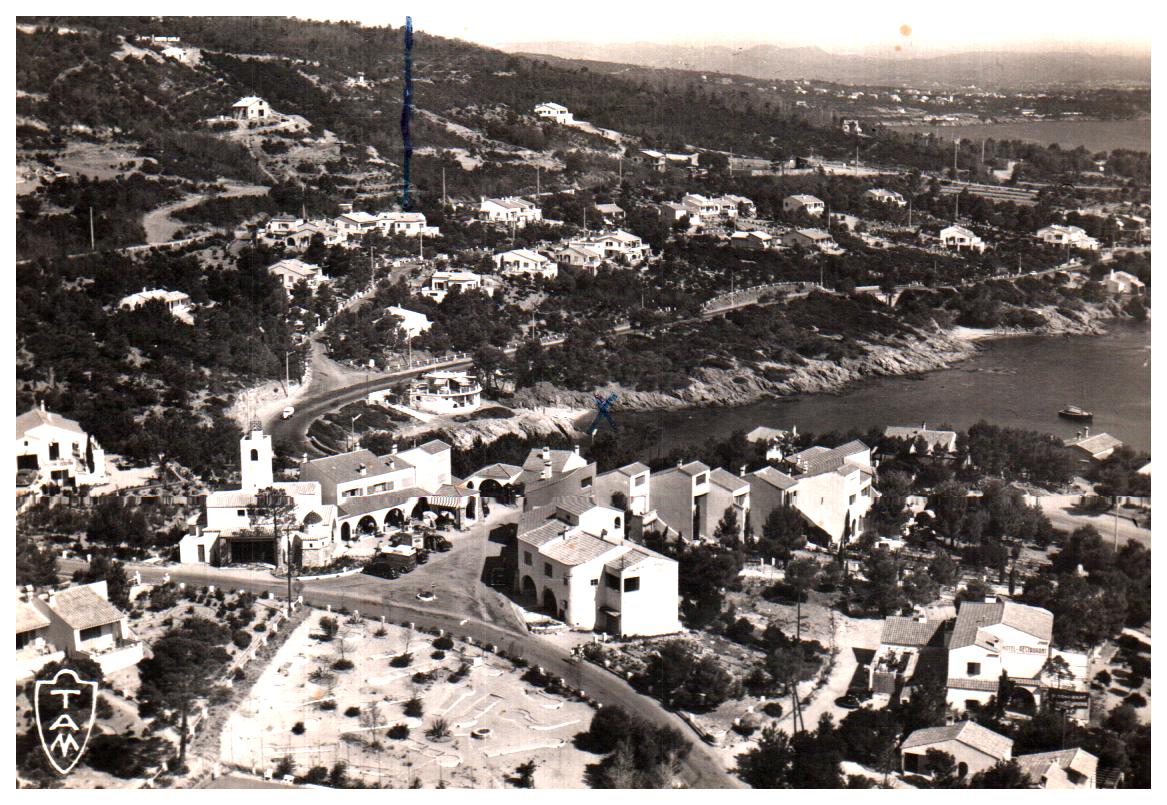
66, 707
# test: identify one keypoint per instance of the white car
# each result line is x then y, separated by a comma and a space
288, 412
425, 595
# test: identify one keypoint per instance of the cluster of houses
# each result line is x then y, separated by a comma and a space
347, 229
993, 648
589, 252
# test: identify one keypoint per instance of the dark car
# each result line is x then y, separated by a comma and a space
423, 557
383, 570
849, 702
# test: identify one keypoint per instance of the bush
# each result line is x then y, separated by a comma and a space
438, 655
401, 660
1136, 700
439, 729
773, 709
1102, 678
241, 638
444, 643
328, 704
298, 728
343, 664
398, 732
353, 711
414, 708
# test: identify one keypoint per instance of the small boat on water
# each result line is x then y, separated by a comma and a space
1074, 412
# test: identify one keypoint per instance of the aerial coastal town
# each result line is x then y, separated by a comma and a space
395, 411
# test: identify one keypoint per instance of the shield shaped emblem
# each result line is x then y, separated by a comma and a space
66, 708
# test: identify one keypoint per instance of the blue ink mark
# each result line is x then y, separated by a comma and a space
602, 406
406, 111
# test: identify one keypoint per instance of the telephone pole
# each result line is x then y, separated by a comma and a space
92, 238
445, 201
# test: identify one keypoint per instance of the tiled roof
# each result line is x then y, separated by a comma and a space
433, 447
501, 472
35, 417
294, 266
969, 733
82, 608
558, 458
541, 535
973, 616
775, 478
901, 631
694, 468
988, 685
633, 558
942, 439
574, 504
578, 548
1077, 759
635, 468
29, 617
366, 504
346, 466
818, 460
1096, 444
727, 480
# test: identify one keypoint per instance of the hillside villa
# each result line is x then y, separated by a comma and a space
54, 450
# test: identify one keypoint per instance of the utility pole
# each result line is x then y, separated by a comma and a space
92, 238
909, 210
955, 150
538, 188
445, 201
287, 374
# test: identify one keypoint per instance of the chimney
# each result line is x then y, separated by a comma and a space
546, 453
1087, 430
577, 449
546, 474
742, 472
680, 463
924, 425
393, 450
990, 599
42, 405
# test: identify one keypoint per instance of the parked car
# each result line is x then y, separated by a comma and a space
383, 570
423, 557
849, 702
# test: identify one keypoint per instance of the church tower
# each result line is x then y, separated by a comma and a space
255, 458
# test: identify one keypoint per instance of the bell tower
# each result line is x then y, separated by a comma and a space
255, 458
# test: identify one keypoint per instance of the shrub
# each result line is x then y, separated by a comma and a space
298, 728
438, 729
238, 674
401, 660
241, 638
328, 704
343, 664
414, 708
444, 643
438, 655
353, 711
1136, 700
773, 709
1102, 678
398, 732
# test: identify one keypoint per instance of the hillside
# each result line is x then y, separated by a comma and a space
988, 69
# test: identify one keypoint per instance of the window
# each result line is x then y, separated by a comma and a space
631, 585
911, 763
611, 581
851, 502
595, 582
91, 633
700, 479
974, 669
616, 523
639, 480
526, 557
547, 569
241, 512
585, 483
54, 451
254, 455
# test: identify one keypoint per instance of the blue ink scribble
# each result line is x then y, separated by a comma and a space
406, 112
602, 405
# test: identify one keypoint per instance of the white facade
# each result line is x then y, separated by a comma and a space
292, 272
554, 112
882, 196
84, 624
251, 108
442, 282
525, 261
811, 205
446, 392
176, 302
959, 238
1073, 237
575, 563
509, 210
413, 323
618, 247
57, 451
992, 638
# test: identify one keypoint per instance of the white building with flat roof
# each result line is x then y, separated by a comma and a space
554, 112
509, 210
445, 392
413, 323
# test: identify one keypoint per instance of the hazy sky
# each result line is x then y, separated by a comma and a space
834, 25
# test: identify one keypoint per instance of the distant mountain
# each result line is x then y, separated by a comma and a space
984, 69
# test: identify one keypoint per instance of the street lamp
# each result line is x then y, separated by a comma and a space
352, 431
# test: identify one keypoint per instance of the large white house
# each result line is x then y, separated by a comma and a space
617, 247
960, 238
441, 283
445, 392
176, 303
1073, 237
831, 488
554, 112
413, 323
509, 210
574, 562
77, 622
352, 226
291, 272
691, 498
994, 637
524, 261
882, 196
803, 202
251, 108
51, 449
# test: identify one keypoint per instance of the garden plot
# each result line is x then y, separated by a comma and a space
449, 714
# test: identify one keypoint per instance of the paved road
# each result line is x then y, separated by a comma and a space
395, 600
1062, 515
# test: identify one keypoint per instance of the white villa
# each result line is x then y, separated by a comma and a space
575, 563
1073, 237
802, 202
1122, 282
882, 196
509, 210
525, 261
251, 108
291, 272
352, 226
51, 449
413, 323
817, 239
830, 488
77, 622
445, 392
554, 112
442, 282
960, 238
618, 247
176, 302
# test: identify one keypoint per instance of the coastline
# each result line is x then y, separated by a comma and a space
546, 409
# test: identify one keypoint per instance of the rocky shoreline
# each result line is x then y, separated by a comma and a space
545, 409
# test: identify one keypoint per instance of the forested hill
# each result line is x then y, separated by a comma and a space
91, 73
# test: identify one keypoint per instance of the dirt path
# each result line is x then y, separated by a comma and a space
161, 227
